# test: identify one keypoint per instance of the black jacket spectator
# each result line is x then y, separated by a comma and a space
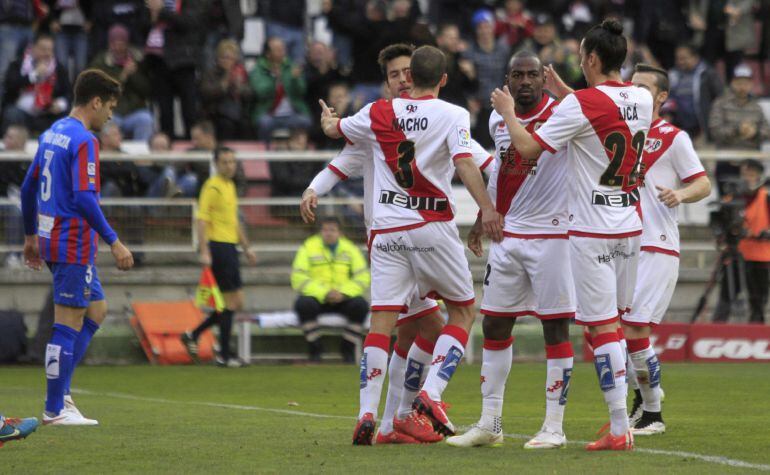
369, 34
173, 49
226, 16
288, 12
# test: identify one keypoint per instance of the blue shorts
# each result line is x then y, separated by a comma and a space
75, 285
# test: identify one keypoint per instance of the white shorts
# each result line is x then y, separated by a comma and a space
655, 285
418, 308
529, 277
430, 257
605, 276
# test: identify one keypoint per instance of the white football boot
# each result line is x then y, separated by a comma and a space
476, 437
547, 440
69, 405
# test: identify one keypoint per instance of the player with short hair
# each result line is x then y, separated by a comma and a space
603, 129
528, 272
416, 143
219, 232
62, 224
420, 326
671, 174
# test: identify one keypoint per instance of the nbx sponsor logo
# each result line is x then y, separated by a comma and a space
623, 200
422, 203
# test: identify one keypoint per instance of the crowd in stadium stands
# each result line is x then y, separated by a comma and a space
162, 50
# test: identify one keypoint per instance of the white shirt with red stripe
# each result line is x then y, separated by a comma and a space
529, 193
603, 129
355, 160
669, 160
413, 144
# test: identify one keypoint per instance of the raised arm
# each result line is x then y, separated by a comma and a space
504, 104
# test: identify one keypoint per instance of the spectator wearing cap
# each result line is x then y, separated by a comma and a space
545, 42
462, 81
126, 64
490, 58
279, 89
737, 121
694, 86
514, 23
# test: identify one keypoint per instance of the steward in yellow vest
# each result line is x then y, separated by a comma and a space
330, 274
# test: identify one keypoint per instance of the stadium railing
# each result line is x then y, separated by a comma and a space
167, 225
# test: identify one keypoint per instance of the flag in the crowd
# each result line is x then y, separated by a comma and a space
208, 295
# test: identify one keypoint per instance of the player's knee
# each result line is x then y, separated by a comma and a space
405, 336
496, 328
556, 331
633, 332
431, 326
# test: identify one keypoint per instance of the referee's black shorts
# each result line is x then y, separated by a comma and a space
225, 266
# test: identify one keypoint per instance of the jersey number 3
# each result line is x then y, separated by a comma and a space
46, 181
403, 171
615, 143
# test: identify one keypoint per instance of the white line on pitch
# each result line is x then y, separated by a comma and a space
714, 459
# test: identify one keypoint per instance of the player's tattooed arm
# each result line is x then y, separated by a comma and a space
522, 140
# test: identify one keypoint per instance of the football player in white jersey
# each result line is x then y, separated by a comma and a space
603, 129
416, 143
529, 272
671, 174
418, 328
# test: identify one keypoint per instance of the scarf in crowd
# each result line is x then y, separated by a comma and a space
43, 88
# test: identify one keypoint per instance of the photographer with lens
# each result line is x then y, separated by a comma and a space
742, 224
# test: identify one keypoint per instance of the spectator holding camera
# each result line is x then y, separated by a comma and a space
754, 247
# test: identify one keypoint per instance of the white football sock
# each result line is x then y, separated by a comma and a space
396, 369
611, 369
447, 354
647, 368
417, 366
630, 373
560, 358
495, 367
373, 366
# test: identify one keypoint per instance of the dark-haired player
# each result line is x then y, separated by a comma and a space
416, 142
62, 224
528, 272
420, 326
603, 128
671, 174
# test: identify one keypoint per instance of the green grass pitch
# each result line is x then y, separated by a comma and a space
208, 420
